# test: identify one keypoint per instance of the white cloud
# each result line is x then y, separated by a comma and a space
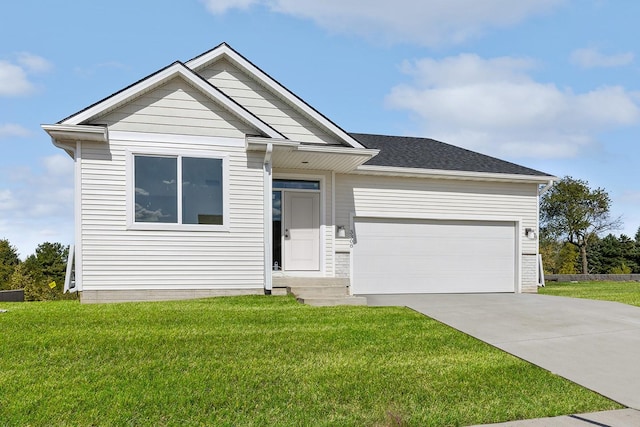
430, 23
14, 77
592, 58
34, 63
7, 200
221, 6
9, 130
495, 106
58, 165
90, 71
33, 203
631, 196
13, 80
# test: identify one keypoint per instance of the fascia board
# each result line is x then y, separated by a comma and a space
253, 143
446, 174
65, 132
268, 81
124, 95
339, 150
155, 80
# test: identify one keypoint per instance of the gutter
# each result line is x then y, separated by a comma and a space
451, 174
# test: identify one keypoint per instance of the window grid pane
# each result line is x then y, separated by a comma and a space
156, 189
296, 184
202, 195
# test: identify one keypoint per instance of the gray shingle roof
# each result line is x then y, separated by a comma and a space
425, 153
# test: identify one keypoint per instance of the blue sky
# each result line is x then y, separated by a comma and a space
549, 84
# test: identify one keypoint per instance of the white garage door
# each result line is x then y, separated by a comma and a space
405, 256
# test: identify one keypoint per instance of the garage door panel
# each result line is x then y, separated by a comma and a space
405, 256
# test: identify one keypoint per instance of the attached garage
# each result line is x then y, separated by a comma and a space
399, 256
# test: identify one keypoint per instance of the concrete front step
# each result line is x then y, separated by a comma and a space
283, 282
318, 291
328, 302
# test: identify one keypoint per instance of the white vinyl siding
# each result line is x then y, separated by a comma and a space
176, 108
117, 258
264, 104
419, 198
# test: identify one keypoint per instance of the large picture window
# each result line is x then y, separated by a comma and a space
178, 190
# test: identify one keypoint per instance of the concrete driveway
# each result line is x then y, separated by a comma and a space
593, 343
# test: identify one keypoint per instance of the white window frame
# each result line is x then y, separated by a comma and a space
178, 155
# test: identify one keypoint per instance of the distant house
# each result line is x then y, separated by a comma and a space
211, 178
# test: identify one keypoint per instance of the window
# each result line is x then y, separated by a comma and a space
178, 190
296, 184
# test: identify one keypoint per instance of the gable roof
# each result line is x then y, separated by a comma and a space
425, 153
223, 50
177, 69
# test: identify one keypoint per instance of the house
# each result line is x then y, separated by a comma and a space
211, 178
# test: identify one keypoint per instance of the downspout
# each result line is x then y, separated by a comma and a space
77, 214
268, 220
546, 188
73, 273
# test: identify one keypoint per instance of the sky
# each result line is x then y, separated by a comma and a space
549, 84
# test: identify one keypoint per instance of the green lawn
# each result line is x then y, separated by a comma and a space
625, 292
260, 361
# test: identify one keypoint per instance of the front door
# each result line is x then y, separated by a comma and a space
301, 234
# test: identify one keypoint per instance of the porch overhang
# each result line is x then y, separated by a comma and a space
289, 154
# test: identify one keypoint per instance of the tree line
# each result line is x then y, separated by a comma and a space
608, 255
575, 232
41, 274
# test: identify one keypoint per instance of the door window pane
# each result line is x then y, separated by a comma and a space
156, 189
201, 191
296, 184
276, 214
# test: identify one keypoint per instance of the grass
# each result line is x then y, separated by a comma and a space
624, 292
261, 361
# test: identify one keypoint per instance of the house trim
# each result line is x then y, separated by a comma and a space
174, 138
77, 213
268, 220
257, 142
66, 136
451, 174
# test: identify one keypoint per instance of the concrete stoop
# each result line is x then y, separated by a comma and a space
328, 302
323, 291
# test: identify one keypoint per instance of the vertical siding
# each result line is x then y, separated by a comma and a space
264, 104
438, 199
115, 257
175, 108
